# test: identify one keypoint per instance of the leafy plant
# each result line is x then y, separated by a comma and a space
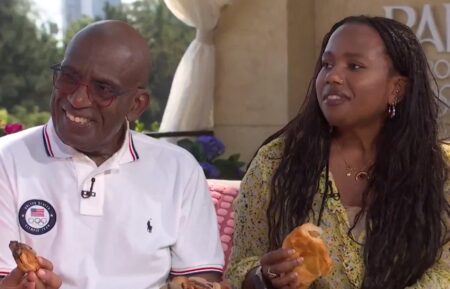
206, 150
25, 77
139, 126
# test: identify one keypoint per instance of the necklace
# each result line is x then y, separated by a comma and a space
359, 175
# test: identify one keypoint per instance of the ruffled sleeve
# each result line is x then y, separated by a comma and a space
251, 228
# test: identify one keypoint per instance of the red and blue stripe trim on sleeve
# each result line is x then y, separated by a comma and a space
177, 272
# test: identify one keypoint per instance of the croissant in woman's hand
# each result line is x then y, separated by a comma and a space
306, 242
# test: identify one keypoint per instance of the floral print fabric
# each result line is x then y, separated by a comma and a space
251, 230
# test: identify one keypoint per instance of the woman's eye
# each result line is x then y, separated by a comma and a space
355, 66
326, 65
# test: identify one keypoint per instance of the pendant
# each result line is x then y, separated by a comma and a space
361, 176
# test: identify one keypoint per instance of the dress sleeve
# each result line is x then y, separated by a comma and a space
251, 229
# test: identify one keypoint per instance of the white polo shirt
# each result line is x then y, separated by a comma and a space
151, 214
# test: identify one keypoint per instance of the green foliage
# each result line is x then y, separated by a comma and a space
230, 168
28, 116
3, 117
138, 126
154, 126
26, 53
194, 147
75, 27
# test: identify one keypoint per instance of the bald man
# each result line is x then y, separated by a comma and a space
107, 207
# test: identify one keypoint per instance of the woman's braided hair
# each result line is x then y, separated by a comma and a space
405, 220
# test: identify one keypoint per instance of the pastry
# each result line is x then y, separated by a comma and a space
306, 242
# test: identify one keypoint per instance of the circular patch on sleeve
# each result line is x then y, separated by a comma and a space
37, 217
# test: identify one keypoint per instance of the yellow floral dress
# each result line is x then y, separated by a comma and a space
251, 230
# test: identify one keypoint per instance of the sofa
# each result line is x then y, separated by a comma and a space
223, 193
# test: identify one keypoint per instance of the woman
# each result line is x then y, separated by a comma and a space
362, 160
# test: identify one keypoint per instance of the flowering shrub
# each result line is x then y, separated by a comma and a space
7, 127
12, 128
206, 150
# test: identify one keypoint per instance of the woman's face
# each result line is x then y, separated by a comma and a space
356, 81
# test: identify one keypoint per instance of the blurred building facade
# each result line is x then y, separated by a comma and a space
75, 9
266, 52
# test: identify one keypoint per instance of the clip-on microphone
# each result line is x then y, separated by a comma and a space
87, 194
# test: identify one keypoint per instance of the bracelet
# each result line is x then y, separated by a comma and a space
260, 280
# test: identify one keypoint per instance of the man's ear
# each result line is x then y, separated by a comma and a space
399, 90
139, 104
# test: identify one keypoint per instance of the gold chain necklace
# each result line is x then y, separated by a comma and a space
360, 175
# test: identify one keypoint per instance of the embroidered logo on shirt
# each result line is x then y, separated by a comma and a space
37, 217
149, 226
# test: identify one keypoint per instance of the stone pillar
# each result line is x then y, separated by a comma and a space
266, 51
259, 69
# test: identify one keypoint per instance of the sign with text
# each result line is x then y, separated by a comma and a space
431, 24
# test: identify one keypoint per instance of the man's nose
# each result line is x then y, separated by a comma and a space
80, 97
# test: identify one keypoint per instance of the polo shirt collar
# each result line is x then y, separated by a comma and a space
55, 148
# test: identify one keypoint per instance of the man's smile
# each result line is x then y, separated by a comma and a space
77, 119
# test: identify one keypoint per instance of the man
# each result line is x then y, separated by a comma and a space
109, 207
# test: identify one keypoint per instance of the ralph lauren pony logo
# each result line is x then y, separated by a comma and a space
149, 226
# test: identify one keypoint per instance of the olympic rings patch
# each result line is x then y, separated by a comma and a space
37, 217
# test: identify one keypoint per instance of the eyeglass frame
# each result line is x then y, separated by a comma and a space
57, 69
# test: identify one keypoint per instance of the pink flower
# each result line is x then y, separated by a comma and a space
13, 127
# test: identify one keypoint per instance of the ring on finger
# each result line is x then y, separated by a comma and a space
271, 275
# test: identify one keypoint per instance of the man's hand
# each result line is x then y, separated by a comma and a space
44, 278
15, 280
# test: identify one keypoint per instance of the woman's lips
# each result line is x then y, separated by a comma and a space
334, 99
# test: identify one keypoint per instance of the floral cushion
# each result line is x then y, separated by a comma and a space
223, 193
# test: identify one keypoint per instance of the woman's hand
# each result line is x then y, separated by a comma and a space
44, 278
277, 266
